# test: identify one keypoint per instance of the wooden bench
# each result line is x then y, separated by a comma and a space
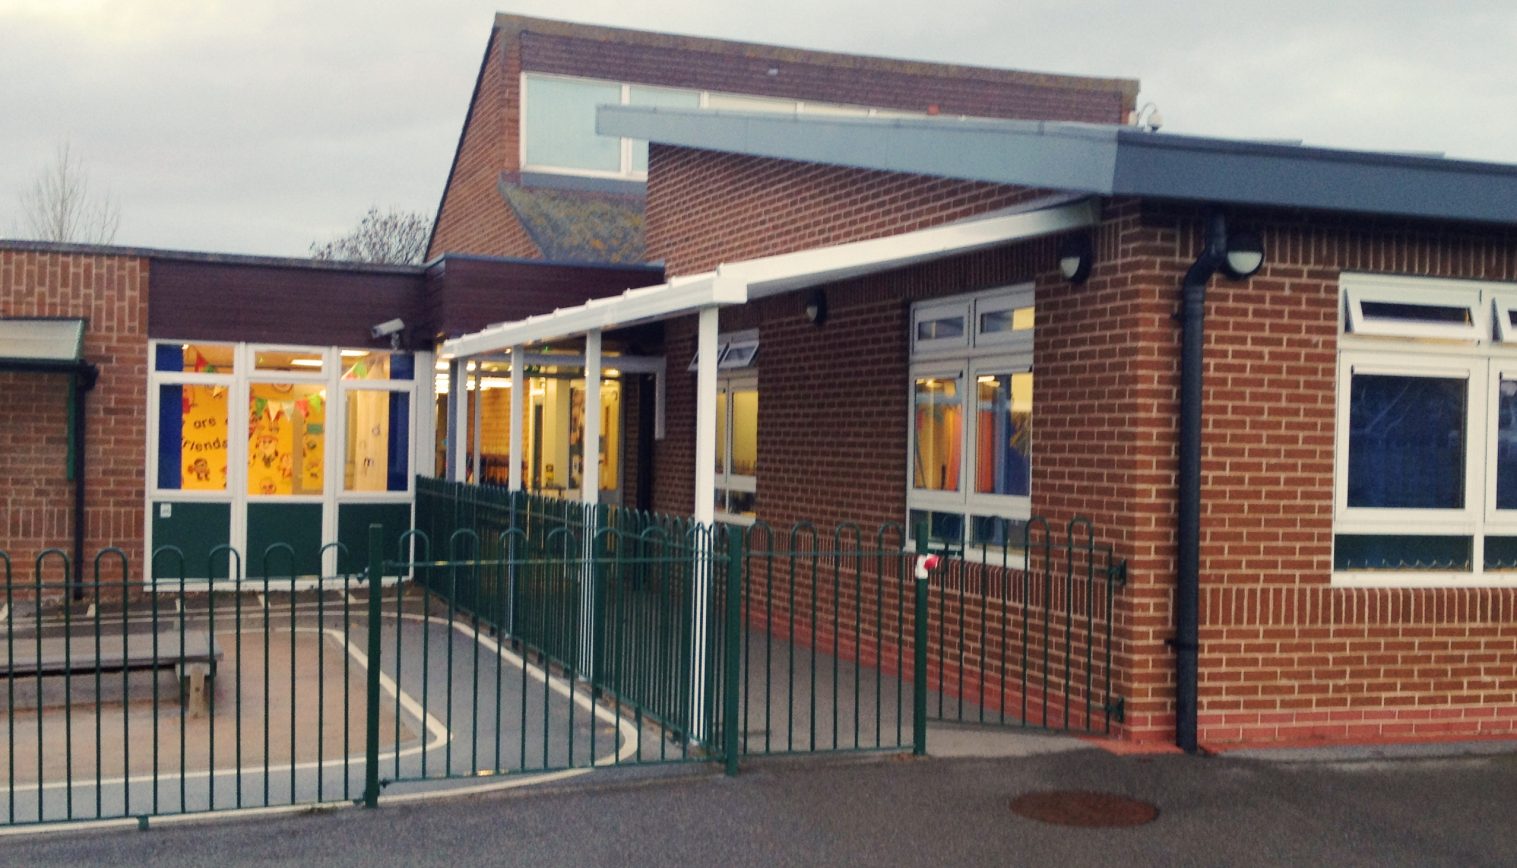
194, 659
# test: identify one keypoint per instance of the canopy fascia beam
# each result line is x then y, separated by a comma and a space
738, 282
634, 306
791, 271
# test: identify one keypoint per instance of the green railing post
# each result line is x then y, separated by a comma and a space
731, 683
919, 656
371, 744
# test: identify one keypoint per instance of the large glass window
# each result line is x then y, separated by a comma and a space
192, 437
559, 124
737, 447
286, 438
939, 423
1003, 433
1426, 464
378, 447
972, 419
1406, 442
193, 417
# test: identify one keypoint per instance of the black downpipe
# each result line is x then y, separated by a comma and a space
647, 410
1188, 581
82, 382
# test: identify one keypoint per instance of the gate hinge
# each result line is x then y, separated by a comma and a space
1117, 573
1116, 709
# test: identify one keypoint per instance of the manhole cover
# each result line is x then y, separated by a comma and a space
1084, 808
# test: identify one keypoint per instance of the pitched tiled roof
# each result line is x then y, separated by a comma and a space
579, 225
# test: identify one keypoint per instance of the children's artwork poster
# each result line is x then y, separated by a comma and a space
286, 437
203, 446
576, 437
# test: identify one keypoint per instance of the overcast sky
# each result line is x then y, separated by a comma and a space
259, 126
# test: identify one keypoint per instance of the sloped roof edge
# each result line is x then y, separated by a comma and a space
1100, 159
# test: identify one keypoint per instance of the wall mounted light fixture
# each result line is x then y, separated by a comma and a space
1076, 257
816, 307
1245, 255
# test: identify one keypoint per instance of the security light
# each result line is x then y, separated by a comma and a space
816, 308
1245, 255
1075, 257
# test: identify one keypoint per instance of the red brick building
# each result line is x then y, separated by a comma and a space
531, 179
1348, 565
864, 316
184, 349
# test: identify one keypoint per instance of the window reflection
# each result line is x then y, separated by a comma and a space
1003, 433
939, 422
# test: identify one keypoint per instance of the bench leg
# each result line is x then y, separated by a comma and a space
195, 680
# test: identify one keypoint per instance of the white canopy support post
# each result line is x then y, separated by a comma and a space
660, 394
478, 379
518, 404
589, 476
458, 425
590, 455
705, 417
705, 514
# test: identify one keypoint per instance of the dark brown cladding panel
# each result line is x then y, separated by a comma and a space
277, 304
863, 81
330, 306
466, 294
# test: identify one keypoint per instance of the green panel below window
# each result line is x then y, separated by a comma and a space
1389, 552
194, 529
1501, 553
295, 524
353, 520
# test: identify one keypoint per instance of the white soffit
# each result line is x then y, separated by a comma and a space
738, 282
47, 340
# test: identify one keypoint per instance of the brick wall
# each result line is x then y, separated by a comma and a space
473, 217
670, 60
36, 498
1284, 654
705, 208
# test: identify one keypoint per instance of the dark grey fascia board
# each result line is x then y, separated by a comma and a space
1102, 160
1257, 173
1064, 156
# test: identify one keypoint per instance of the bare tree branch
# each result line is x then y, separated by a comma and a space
392, 236
60, 207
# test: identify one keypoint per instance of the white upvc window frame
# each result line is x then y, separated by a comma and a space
156, 380
1503, 311
340, 428
1361, 289
1462, 521
977, 353
1482, 352
936, 499
238, 382
1011, 340
1498, 522
1020, 505
922, 314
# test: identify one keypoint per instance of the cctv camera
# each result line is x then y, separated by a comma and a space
387, 328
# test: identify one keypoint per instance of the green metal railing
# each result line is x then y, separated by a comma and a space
509, 633
1025, 638
128, 701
